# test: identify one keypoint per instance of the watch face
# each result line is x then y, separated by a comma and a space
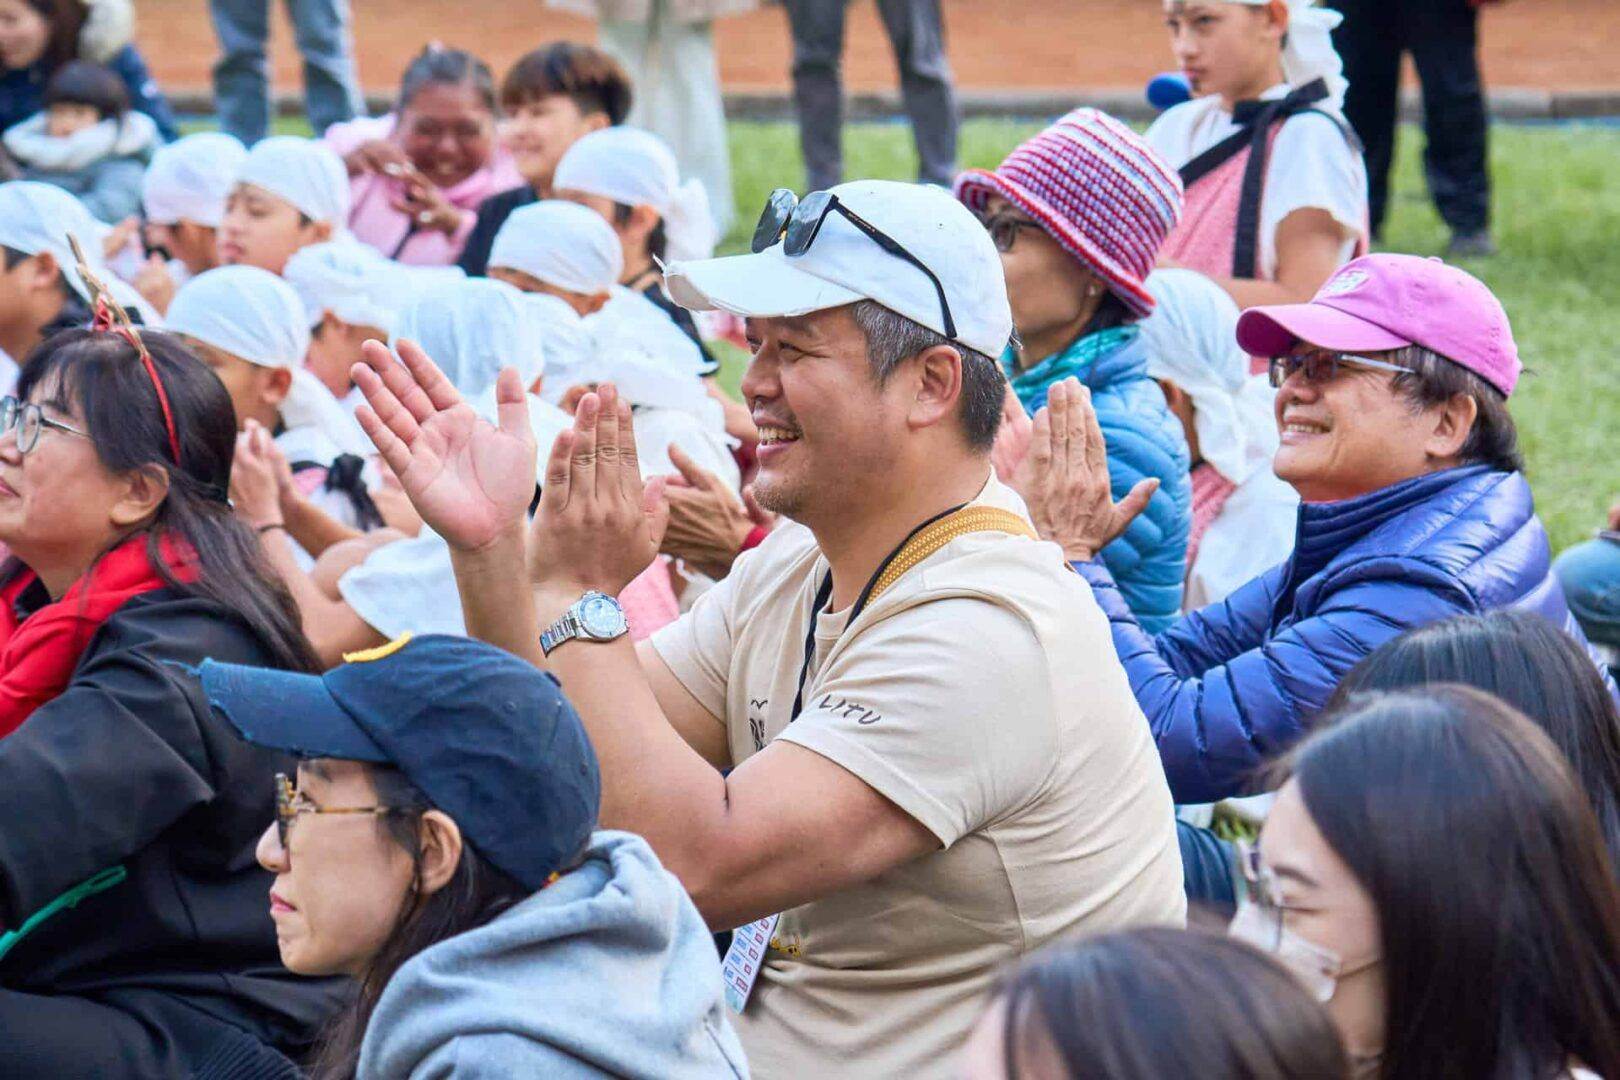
601, 617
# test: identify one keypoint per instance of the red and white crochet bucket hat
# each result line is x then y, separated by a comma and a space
1098, 189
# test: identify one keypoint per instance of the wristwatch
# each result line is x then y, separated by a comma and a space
593, 617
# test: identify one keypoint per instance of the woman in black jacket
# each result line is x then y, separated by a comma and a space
137, 939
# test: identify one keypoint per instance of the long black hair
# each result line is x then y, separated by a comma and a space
1159, 1002
1498, 910
102, 374
1534, 667
476, 893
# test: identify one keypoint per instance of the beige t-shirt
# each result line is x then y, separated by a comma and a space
980, 694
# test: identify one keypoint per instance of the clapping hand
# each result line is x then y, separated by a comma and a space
599, 524
255, 485
470, 480
1012, 437
1064, 477
708, 523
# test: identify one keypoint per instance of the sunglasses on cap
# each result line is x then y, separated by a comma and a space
1323, 367
797, 223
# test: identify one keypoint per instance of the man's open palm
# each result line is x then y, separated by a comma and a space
470, 480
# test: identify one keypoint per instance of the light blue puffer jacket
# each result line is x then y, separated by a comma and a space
1148, 562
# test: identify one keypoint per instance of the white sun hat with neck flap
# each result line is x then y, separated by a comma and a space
844, 265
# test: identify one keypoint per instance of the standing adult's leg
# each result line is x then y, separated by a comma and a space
916, 29
242, 73
672, 65
325, 37
1370, 46
818, 95
1444, 39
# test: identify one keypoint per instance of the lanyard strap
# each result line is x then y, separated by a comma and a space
919, 544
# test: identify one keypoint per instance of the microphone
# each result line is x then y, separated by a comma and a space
1168, 89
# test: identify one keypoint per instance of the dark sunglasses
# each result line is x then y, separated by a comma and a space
1323, 367
797, 224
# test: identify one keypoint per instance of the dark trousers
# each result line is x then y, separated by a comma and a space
1442, 36
916, 30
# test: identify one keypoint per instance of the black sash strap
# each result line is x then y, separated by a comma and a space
344, 475
1255, 120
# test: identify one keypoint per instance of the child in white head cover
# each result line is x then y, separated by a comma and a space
183, 198
472, 331
249, 326
634, 168
1243, 516
288, 194
555, 250
474, 328
560, 249
630, 179
352, 295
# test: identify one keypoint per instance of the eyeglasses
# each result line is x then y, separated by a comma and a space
797, 224
28, 420
1003, 229
1323, 367
290, 803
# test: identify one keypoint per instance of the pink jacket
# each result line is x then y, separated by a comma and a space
373, 218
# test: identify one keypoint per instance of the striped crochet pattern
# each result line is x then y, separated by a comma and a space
1098, 189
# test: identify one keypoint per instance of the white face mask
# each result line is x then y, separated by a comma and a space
1317, 968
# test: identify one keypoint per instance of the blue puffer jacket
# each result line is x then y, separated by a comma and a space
1231, 685
1144, 439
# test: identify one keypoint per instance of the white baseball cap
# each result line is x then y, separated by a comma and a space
843, 265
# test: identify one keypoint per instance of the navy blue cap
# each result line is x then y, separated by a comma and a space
487, 738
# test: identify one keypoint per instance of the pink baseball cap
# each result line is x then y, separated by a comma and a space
1382, 302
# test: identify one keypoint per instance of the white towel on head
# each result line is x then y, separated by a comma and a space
305, 173
561, 244
474, 328
636, 168
254, 315
189, 180
353, 282
1191, 340
37, 217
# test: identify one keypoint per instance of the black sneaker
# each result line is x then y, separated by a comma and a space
1471, 245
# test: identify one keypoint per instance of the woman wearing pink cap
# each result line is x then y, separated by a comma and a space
1078, 213
1392, 406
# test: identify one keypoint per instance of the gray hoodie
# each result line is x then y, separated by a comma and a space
608, 972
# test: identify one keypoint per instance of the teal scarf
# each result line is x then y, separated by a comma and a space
1076, 360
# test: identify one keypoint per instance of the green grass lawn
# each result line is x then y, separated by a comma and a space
1557, 221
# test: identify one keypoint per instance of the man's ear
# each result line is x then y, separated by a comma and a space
1453, 423
144, 491
441, 842
44, 271
322, 231
938, 382
277, 382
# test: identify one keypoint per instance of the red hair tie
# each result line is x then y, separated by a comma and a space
110, 316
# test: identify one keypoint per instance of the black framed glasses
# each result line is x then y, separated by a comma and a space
1323, 367
28, 420
797, 223
290, 804
1003, 228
